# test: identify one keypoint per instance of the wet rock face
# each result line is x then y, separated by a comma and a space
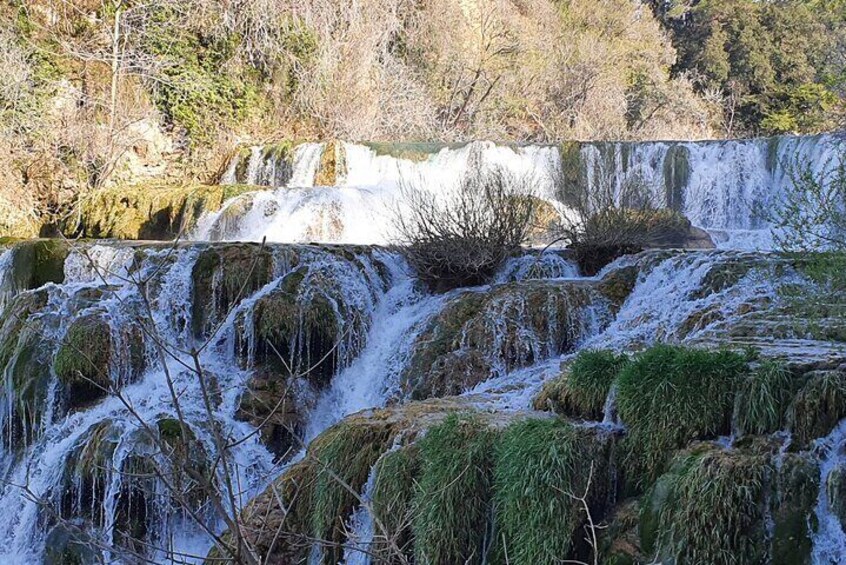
83, 361
835, 489
478, 335
277, 406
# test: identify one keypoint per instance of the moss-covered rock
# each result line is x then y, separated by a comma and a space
393, 500
669, 396
271, 403
38, 262
818, 406
83, 362
580, 391
67, 544
793, 501
150, 211
618, 284
619, 542
88, 471
478, 335
223, 275
333, 166
710, 509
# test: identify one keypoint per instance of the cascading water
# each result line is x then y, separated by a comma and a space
721, 186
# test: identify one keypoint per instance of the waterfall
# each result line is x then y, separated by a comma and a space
721, 186
829, 538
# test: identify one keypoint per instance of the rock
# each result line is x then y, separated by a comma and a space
83, 362
835, 490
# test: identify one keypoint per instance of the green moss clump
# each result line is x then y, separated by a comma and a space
83, 360
669, 396
538, 462
344, 456
393, 500
453, 497
581, 392
763, 397
712, 509
818, 406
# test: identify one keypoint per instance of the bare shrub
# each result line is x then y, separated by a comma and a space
617, 218
461, 239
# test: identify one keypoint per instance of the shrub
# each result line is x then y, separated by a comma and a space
463, 238
453, 497
540, 466
582, 391
612, 221
671, 395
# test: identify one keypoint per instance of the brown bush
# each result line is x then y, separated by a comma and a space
461, 239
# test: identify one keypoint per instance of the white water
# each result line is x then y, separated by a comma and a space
391, 311
722, 186
829, 539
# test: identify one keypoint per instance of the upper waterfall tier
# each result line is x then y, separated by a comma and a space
721, 186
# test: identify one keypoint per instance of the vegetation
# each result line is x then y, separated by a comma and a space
463, 238
83, 361
711, 508
763, 397
581, 391
542, 468
818, 406
669, 396
453, 496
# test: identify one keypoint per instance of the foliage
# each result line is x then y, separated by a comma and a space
818, 406
453, 496
763, 397
581, 391
671, 395
778, 65
393, 497
541, 467
712, 511
463, 238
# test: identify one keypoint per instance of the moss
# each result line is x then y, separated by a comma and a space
581, 391
332, 165
793, 502
763, 397
271, 405
453, 496
619, 284
134, 510
66, 545
393, 499
713, 509
148, 211
669, 396
418, 152
818, 406
87, 475
222, 276
38, 262
676, 175
619, 542
537, 463
573, 182
25, 357
83, 361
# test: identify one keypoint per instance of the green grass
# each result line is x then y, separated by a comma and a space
763, 398
581, 392
669, 396
344, 456
393, 499
453, 496
818, 406
539, 464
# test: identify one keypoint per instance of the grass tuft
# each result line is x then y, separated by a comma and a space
818, 406
669, 396
453, 496
762, 399
540, 466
